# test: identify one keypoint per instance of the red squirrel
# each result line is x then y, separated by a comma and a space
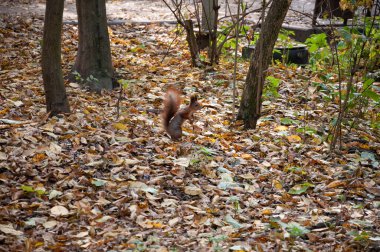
173, 117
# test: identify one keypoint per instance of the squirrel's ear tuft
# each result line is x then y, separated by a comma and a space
193, 98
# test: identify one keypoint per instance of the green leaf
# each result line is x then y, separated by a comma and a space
307, 130
288, 121
40, 192
207, 151
123, 83
296, 229
275, 82
26, 188
371, 94
367, 83
300, 188
346, 34
362, 236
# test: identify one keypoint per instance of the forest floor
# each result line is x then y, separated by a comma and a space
89, 181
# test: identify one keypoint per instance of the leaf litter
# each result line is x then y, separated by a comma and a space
90, 181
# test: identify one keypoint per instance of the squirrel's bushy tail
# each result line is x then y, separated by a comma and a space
171, 105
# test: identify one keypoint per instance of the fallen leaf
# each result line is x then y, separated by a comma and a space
294, 139
185, 162
336, 183
50, 224
8, 229
59, 211
173, 222
3, 156
193, 190
281, 128
234, 223
54, 193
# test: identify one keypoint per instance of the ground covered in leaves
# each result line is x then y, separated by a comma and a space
89, 181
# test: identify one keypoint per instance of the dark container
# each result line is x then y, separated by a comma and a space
296, 54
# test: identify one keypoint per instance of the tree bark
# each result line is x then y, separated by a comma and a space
208, 14
55, 92
250, 104
192, 42
214, 34
94, 51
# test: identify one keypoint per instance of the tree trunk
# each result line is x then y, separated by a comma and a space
94, 52
55, 93
192, 42
214, 34
210, 10
208, 15
250, 104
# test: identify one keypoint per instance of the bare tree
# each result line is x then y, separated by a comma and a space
209, 25
176, 7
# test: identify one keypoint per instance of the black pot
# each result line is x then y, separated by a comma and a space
296, 54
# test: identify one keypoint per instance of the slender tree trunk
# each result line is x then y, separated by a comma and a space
250, 104
94, 52
55, 93
192, 42
214, 33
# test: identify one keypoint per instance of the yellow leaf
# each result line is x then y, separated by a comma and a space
294, 139
281, 128
277, 184
364, 146
120, 126
157, 224
246, 156
330, 194
266, 212
4, 111
39, 157
38, 244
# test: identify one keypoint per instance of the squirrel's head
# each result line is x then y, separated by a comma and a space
194, 103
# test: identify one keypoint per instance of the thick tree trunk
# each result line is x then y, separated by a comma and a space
208, 14
94, 52
250, 104
55, 93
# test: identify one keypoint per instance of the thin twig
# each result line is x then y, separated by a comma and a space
235, 60
171, 43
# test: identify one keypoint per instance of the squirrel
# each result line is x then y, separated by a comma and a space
173, 117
